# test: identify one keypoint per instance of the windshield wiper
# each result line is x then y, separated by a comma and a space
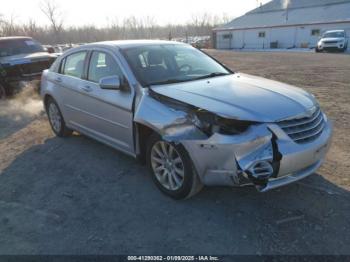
169, 81
174, 81
212, 75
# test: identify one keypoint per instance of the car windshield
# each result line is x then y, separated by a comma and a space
171, 63
333, 34
19, 46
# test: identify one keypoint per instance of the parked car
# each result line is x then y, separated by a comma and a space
49, 48
335, 40
21, 59
191, 119
201, 43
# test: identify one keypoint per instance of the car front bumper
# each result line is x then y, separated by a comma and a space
335, 46
227, 160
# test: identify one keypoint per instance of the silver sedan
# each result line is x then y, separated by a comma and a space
192, 120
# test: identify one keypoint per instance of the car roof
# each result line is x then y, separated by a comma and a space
335, 31
14, 37
125, 44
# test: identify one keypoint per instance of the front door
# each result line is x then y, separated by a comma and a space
107, 113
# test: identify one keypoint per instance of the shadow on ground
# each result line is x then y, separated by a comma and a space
76, 196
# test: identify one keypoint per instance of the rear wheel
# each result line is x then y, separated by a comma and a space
56, 119
172, 169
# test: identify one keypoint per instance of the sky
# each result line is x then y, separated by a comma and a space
103, 12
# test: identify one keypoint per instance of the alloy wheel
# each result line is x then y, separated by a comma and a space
55, 117
167, 165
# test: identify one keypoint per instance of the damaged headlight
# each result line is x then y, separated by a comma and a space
210, 124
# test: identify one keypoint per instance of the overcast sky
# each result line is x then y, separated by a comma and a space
99, 12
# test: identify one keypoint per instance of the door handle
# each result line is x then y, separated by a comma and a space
87, 88
58, 80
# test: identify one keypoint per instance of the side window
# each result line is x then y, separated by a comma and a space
74, 65
61, 67
262, 34
55, 66
227, 36
102, 65
315, 32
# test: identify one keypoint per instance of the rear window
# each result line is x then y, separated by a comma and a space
12, 47
74, 64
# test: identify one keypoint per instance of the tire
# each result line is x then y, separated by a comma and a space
56, 119
167, 174
2, 93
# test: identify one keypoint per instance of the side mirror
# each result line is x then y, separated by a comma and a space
110, 82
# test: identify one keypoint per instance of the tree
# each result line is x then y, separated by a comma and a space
53, 12
8, 26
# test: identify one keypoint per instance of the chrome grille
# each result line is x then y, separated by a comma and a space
330, 42
306, 129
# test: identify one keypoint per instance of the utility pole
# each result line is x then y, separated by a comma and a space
286, 6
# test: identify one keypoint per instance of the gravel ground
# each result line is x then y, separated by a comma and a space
77, 196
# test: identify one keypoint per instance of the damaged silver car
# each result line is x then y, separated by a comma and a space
190, 118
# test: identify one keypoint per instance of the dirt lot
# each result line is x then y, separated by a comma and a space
76, 196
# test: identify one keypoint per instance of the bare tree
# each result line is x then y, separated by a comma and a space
8, 26
31, 28
53, 12
200, 25
1, 25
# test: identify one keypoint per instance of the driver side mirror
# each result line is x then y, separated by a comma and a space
110, 82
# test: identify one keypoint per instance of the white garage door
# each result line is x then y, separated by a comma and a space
284, 36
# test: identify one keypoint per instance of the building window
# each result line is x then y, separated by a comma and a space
262, 34
227, 36
315, 32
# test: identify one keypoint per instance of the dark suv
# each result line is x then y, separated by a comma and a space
21, 59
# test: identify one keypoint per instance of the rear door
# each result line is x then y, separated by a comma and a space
72, 71
105, 114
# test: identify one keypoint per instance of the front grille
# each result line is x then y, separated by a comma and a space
306, 129
330, 42
24, 70
34, 68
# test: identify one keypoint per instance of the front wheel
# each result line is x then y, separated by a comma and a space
172, 169
56, 119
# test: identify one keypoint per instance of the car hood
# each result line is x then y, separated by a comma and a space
26, 58
241, 96
332, 39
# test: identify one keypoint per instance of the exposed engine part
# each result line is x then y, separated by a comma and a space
224, 151
260, 172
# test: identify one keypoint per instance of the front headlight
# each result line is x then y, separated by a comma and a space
210, 124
